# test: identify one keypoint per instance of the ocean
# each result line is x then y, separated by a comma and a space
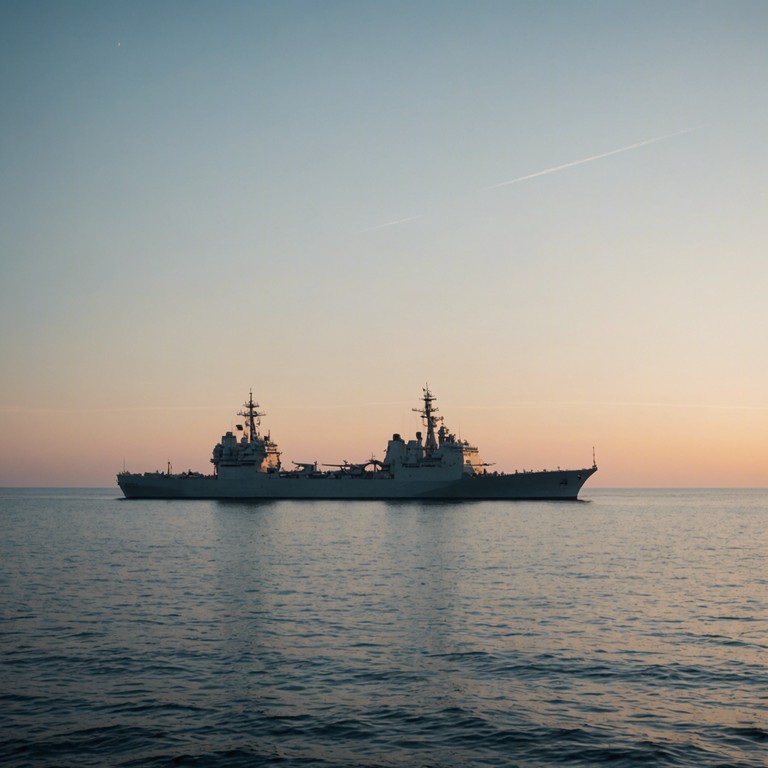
627, 629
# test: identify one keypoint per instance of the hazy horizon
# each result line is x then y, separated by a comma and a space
553, 213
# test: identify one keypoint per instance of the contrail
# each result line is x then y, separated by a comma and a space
546, 171
392, 223
588, 159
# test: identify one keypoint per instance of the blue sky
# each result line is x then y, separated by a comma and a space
193, 197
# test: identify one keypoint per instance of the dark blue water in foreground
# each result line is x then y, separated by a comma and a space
627, 630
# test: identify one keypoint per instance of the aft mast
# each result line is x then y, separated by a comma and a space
430, 420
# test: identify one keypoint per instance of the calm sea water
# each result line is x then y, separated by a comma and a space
630, 629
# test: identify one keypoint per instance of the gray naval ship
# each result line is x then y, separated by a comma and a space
438, 466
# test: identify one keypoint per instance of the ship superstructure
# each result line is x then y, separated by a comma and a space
439, 466
252, 451
441, 453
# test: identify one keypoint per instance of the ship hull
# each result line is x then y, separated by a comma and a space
549, 485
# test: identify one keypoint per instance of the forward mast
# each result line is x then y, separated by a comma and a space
430, 420
252, 416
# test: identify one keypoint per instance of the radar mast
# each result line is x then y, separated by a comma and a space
253, 416
430, 420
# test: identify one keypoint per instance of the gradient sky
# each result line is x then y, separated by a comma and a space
194, 201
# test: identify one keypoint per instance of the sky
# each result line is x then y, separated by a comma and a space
553, 213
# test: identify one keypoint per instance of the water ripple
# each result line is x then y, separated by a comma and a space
628, 632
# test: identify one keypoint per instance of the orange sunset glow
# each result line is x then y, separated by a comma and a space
566, 240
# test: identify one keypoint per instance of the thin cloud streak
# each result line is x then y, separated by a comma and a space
24, 410
614, 404
14, 409
31, 411
547, 171
588, 159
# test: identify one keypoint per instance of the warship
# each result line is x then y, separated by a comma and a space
438, 465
